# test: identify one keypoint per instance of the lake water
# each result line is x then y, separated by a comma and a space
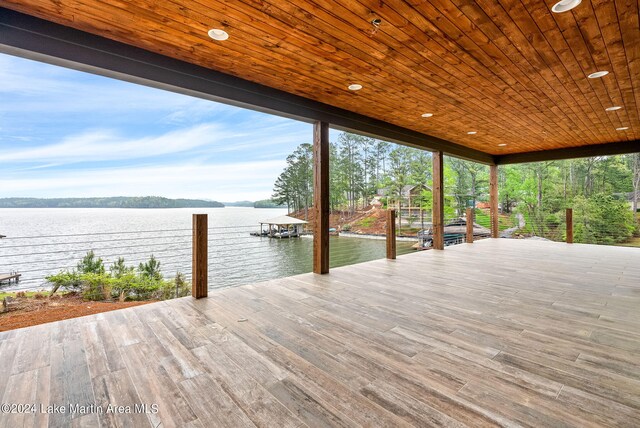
41, 242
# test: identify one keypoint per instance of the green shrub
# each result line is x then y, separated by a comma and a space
178, 287
122, 282
121, 285
552, 220
366, 222
602, 220
96, 286
150, 269
69, 281
143, 288
119, 269
91, 264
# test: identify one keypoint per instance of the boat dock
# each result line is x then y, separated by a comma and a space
281, 227
8, 277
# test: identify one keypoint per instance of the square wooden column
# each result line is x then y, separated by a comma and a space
493, 200
569, 225
321, 197
199, 272
438, 201
391, 234
469, 221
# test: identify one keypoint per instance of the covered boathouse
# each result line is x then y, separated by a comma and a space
282, 226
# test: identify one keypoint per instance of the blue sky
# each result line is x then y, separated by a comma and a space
65, 133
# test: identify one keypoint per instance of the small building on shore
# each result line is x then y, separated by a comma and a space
283, 226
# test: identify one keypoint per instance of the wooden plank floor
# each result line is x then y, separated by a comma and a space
496, 333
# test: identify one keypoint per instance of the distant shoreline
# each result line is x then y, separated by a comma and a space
135, 202
141, 208
110, 208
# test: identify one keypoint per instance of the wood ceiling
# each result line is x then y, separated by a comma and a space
510, 70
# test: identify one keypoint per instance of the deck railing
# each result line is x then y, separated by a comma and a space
578, 226
569, 225
233, 256
36, 257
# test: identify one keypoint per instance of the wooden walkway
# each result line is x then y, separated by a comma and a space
500, 332
8, 277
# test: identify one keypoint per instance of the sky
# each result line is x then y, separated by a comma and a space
65, 133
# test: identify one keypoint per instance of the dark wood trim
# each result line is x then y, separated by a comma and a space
37, 39
391, 234
200, 260
321, 197
469, 221
493, 200
569, 225
438, 201
618, 148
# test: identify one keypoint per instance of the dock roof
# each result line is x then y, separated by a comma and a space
283, 220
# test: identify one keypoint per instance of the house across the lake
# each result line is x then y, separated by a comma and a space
410, 200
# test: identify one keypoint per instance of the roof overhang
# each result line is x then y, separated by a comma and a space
33, 38
38, 39
572, 153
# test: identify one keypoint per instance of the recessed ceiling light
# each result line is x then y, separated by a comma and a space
614, 108
623, 128
355, 87
502, 144
427, 114
598, 74
472, 132
565, 5
218, 34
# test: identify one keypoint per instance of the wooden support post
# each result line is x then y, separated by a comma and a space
391, 234
438, 201
321, 197
493, 200
469, 225
199, 276
569, 225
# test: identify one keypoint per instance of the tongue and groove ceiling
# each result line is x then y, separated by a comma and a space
511, 71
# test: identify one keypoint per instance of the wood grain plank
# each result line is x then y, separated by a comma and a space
499, 333
70, 376
155, 386
211, 403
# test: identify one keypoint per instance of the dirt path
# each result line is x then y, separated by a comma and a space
25, 312
508, 232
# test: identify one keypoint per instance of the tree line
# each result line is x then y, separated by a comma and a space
108, 202
359, 167
598, 188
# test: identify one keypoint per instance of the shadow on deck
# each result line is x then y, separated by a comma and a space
500, 332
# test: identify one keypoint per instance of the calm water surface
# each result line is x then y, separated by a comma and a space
43, 241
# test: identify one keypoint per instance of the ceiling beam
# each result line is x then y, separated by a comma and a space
618, 148
33, 38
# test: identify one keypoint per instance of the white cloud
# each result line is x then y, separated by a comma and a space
66, 133
105, 145
207, 138
39, 86
223, 182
